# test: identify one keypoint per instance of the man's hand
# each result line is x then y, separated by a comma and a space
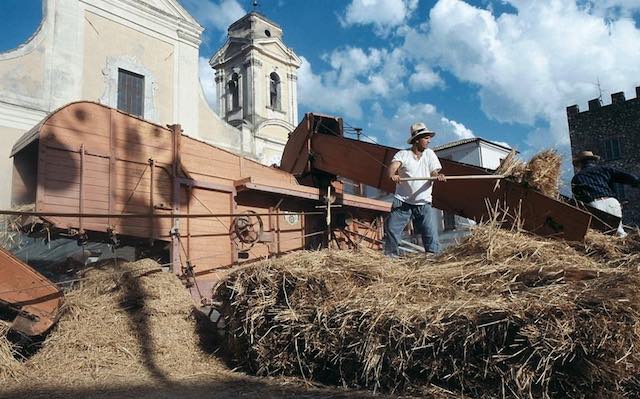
441, 177
393, 171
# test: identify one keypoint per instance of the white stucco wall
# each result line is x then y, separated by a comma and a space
467, 153
492, 155
76, 53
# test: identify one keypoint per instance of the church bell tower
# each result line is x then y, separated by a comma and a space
256, 85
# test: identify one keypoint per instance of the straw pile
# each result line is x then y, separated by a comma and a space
12, 225
541, 173
503, 314
124, 323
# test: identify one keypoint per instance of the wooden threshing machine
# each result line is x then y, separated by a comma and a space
99, 174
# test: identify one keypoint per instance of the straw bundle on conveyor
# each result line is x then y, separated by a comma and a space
541, 173
503, 314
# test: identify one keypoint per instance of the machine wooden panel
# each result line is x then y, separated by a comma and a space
357, 160
132, 166
538, 213
36, 300
206, 240
296, 152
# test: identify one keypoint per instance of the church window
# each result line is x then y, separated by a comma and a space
267, 32
131, 92
234, 91
274, 91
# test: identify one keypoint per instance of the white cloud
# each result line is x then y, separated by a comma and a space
383, 14
530, 65
207, 80
458, 129
396, 127
613, 8
502, 143
356, 76
216, 15
425, 78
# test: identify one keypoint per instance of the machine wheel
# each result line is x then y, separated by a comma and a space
246, 230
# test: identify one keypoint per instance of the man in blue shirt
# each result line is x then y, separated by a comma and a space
594, 185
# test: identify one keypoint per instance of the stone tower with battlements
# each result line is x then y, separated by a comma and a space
613, 132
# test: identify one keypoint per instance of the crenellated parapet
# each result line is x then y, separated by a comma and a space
612, 131
596, 104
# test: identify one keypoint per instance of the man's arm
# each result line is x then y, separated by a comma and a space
435, 166
624, 178
393, 171
439, 175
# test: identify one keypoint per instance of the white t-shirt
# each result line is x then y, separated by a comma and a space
417, 192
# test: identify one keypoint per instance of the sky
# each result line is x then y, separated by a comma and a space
503, 70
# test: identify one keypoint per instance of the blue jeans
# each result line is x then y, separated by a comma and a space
424, 221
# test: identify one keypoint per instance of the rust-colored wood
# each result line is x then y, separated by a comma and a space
36, 300
296, 152
152, 203
356, 160
175, 194
117, 178
477, 199
82, 177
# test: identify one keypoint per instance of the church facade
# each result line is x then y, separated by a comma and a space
141, 56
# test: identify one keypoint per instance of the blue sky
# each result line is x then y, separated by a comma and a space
503, 70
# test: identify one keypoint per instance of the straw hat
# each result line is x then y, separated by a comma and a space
582, 155
419, 130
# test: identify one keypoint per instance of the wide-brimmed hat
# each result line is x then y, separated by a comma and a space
583, 155
417, 131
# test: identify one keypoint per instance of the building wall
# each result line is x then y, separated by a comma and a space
491, 156
113, 46
620, 120
75, 55
468, 154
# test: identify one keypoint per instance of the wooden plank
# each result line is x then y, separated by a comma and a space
142, 154
538, 213
99, 203
195, 148
83, 117
73, 174
68, 139
296, 155
357, 160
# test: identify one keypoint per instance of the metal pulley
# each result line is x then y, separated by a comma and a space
246, 230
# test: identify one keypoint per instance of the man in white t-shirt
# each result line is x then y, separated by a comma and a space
412, 200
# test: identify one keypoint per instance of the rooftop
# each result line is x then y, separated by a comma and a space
467, 141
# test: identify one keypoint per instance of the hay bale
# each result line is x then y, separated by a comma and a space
131, 322
542, 172
502, 314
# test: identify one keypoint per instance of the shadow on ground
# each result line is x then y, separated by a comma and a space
196, 388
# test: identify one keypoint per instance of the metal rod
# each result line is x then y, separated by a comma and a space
144, 215
463, 177
81, 196
152, 205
